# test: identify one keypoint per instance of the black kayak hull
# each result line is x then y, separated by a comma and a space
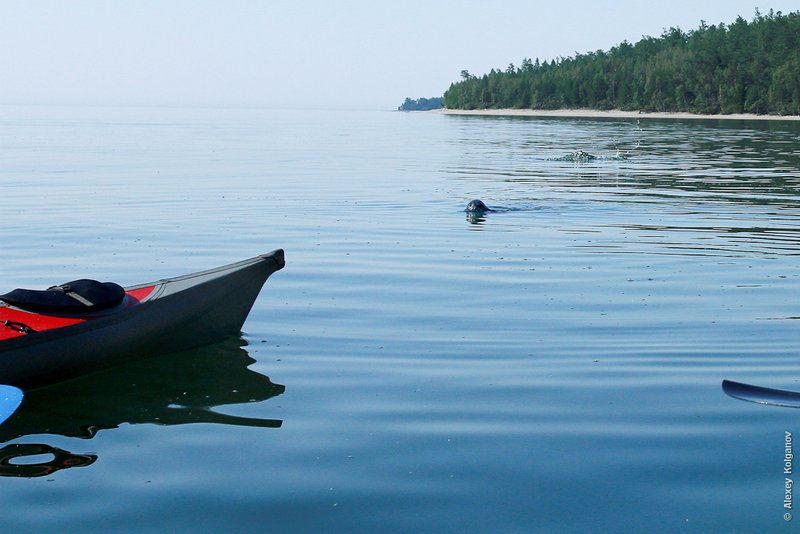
181, 313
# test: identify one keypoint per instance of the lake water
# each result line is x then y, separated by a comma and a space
553, 366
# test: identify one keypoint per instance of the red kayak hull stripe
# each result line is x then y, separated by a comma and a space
40, 322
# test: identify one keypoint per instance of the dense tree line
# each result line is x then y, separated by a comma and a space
744, 67
422, 104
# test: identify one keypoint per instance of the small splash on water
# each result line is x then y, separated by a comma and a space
580, 156
625, 154
620, 152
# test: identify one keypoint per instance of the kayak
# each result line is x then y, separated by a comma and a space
51, 335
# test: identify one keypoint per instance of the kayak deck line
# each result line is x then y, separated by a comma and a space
168, 315
19, 322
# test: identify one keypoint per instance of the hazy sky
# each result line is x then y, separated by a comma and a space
305, 54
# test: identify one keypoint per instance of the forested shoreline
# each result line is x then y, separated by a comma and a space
743, 67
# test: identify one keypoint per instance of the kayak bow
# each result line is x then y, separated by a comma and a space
38, 348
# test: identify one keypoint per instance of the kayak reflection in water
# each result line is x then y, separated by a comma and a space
176, 389
11, 466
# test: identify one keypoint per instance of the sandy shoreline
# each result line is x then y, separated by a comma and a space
614, 114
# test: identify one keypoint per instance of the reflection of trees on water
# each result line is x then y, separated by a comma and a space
165, 390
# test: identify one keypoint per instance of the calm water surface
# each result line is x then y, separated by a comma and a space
554, 366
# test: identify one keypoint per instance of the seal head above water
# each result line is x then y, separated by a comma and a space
477, 206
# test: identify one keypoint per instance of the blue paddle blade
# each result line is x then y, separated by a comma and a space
762, 395
10, 399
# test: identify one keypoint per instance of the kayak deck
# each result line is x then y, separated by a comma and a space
16, 322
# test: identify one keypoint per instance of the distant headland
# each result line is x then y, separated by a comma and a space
422, 104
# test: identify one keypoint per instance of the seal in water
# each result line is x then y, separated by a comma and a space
580, 155
477, 206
